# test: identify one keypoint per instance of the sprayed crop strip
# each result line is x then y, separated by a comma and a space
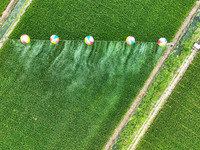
69, 95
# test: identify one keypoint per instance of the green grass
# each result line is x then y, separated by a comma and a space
105, 20
70, 95
3, 5
177, 125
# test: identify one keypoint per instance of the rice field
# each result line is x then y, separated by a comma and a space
70, 95
105, 20
177, 126
3, 5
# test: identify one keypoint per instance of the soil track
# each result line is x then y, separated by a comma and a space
8, 11
143, 91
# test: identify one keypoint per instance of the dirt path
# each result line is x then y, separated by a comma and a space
143, 91
8, 11
9, 31
183, 68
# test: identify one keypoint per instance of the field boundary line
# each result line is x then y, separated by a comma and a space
7, 11
163, 99
11, 28
149, 81
94, 41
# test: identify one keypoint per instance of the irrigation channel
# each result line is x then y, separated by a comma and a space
88, 88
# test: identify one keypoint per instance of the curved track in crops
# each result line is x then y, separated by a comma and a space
143, 91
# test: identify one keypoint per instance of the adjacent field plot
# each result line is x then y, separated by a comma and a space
178, 124
3, 4
108, 20
70, 95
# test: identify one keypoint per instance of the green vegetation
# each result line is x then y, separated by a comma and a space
70, 95
177, 125
160, 83
107, 20
3, 5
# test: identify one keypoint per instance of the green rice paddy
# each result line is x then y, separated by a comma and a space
70, 95
177, 126
105, 20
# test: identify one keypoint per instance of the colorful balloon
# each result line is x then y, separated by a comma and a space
89, 40
25, 39
162, 41
130, 40
54, 39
